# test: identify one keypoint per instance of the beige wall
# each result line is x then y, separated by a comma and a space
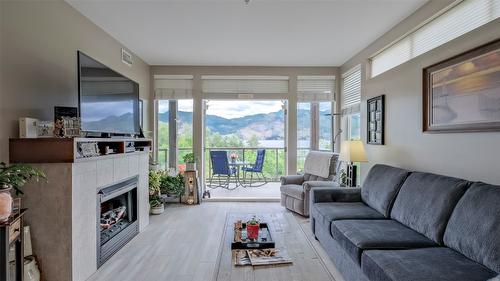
473, 156
39, 41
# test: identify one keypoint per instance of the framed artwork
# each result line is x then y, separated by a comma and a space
462, 94
375, 119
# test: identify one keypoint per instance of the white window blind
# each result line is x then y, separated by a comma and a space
315, 88
173, 87
351, 89
244, 84
446, 26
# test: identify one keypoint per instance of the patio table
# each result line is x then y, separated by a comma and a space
238, 165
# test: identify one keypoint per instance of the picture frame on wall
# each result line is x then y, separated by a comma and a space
462, 93
375, 120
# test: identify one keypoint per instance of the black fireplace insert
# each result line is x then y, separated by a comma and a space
117, 220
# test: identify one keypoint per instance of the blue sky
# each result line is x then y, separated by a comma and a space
229, 109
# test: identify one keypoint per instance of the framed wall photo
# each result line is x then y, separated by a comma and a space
462, 94
375, 119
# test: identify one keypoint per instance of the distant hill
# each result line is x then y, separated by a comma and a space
266, 126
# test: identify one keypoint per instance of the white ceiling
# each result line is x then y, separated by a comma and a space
263, 33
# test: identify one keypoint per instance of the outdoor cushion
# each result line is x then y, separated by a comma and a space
293, 190
426, 201
355, 236
327, 212
474, 226
426, 264
381, 187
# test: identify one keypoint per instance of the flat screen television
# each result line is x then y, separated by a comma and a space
108, 101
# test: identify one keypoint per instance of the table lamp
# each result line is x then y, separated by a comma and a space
350, 152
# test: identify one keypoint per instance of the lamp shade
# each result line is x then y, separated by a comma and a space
352, 151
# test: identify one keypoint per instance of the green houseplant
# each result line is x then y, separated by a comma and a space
173, 185
155, 201
14, 177
190, 161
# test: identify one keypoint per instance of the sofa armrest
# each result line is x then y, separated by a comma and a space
292, 179
308, 185
328, 194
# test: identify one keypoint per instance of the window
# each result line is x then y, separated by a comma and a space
354, 126
351, 99
314, 118
173, 95
455, 21
351, 89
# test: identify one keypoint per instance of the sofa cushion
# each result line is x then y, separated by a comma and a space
430, 264
355, 236
381, 187
474, 226
293, 190
326, 212
426, 201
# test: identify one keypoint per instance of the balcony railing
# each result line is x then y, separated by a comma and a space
274, 163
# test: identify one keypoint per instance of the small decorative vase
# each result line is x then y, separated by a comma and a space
233, 160
5, 204
253, 231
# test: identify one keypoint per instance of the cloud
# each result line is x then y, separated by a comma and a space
227, 108
234, 109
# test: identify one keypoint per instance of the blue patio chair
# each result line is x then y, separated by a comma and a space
256, 168
220, 169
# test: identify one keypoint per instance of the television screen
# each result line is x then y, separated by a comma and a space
109, 101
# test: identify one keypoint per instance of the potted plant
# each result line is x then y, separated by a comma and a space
253, 227
155, 201
14, 177
190, 161
173, 185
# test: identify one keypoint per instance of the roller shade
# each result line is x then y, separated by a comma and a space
173, 87
451, 23
315, 88
244, 84
351, 90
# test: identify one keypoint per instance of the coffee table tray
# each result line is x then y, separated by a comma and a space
264, 241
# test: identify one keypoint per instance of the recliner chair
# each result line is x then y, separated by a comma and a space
295, 188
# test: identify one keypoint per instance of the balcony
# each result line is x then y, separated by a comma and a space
240, 187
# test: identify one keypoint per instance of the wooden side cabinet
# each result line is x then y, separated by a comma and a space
11, 241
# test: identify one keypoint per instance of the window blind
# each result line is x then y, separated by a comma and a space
244, 84
173, 87
351, 89
446, 26
315, 88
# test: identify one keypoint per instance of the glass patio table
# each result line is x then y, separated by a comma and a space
238, 165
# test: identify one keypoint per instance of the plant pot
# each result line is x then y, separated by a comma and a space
253, 231
157, 210
190, 166
5, 204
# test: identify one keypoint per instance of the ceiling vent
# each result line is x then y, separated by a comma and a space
126, 57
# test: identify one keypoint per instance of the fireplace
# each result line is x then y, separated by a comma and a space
116, 218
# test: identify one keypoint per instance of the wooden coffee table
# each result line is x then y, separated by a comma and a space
286, 231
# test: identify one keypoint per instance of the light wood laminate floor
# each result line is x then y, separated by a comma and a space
183, 244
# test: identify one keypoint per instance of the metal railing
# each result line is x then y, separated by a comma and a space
274, 163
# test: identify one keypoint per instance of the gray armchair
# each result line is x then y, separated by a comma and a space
295, 188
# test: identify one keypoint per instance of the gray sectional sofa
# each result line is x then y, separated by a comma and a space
410, 226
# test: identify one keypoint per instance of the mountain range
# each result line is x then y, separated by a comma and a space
267, 126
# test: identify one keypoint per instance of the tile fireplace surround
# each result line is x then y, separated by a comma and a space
63, 212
